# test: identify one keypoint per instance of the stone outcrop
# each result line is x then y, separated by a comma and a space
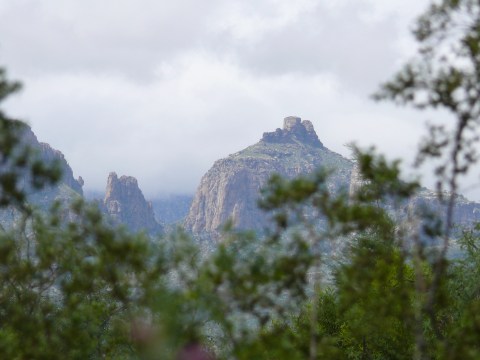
294, 130
125, 204
231, 188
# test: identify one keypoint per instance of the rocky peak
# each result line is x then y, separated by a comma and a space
125, 187
231, 188
125, 204
294, 130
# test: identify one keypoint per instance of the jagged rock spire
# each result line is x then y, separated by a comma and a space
125, 204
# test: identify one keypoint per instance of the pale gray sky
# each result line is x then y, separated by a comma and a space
160, 89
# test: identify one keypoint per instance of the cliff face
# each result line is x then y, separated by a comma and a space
230, 189
125, 204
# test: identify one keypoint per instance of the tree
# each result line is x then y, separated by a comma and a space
444, 75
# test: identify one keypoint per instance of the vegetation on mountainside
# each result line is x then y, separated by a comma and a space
78, 289
292, 154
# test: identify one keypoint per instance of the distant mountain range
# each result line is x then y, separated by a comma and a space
228, 191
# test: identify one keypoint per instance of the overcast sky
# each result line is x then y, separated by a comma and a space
160, 89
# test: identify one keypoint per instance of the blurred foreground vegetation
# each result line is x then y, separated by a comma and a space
369, 284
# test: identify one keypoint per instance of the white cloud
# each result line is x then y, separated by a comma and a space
160, 90
247, 21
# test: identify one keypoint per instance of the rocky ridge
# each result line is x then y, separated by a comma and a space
465, 212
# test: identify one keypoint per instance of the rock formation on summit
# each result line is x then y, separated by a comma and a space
125, 204
294, 129
230, 189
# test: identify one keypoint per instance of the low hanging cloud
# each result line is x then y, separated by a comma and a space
160, 90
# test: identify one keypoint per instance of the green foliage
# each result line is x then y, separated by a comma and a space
63, 287
375, 298
357, 275
74, 287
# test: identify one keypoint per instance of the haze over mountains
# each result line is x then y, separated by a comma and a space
228, 191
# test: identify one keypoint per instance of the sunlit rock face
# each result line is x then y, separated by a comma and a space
231, 188
125, 204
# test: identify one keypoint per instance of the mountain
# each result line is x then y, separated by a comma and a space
67, 189
125, 204
230, 189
